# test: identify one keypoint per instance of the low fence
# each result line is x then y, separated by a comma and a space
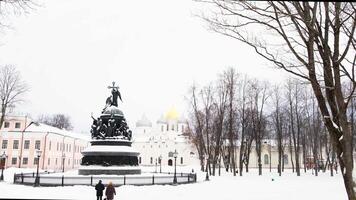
47, 179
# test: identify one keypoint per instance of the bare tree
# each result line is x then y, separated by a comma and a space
60, 121
197, 123
259, 97
219, 109
14, 7
278, 124
243, 122
311, 40
12, 89
231, 83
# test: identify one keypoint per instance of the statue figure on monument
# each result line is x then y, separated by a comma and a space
94, 127
115, 93
111, 127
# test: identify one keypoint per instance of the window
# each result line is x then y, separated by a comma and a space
70, 147
285, 159
181, 160
139, 160
151, 160
25, 161
49, 145
170, 154
17, 125
182, 128
57, 146
167, 128
35, 161
49, 161
13, 161
68, 161
38, 145
27, 144
56, 161
266, 160
16, 144
4, 144
7, 125
172, 127
162, 128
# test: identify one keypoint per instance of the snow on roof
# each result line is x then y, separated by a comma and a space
40, 127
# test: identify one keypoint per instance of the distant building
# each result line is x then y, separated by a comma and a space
21, 137
163, 139
269, 155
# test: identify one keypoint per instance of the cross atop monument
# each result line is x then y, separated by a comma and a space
113, 86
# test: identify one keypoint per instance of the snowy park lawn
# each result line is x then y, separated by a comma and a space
226, 187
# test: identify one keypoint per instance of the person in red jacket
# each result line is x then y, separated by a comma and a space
110, 191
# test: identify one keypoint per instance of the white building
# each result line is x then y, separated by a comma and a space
162, 140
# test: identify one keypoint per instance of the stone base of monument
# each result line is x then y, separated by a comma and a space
110, 170
111, 156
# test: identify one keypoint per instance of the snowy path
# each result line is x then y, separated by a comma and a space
249, 187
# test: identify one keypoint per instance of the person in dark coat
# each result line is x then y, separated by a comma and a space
110, 192
99, 190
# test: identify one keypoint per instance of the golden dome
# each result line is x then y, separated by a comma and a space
172, 114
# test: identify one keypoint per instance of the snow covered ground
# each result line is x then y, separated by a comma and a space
226, 187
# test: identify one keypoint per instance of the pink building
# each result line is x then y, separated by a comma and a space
20, 138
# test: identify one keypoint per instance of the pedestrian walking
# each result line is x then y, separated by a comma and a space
110, 191
99, 190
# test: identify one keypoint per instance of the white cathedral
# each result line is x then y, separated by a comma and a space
158, 143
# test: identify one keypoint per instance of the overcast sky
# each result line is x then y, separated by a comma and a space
70, 51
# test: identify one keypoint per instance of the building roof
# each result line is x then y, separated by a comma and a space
43, 128
172, 114
144, 122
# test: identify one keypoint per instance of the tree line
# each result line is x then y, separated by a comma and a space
314, 41
233, 116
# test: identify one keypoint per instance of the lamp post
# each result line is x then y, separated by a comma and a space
160, 163
175, 154
38, 155
2, 164
156, 165
63, 159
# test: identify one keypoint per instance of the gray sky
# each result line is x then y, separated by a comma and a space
70, 51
